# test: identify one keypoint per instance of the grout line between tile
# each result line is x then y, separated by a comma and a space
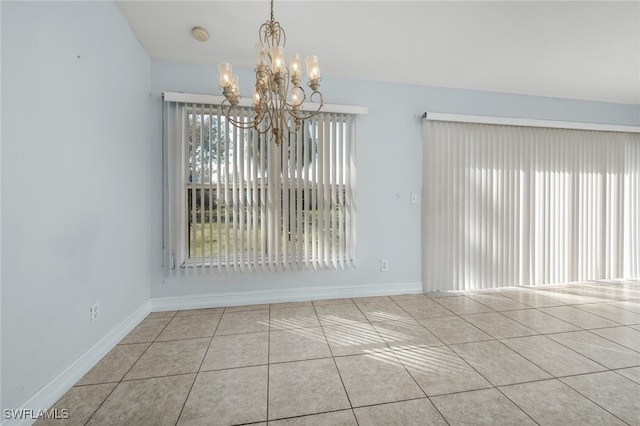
600, 316
585, 355
101, 404
127, 372
516, 405
622, 375
302, 416
589, 399
195, 376
335, 364
613, 341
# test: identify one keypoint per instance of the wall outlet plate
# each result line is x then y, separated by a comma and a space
384, 265
95, 312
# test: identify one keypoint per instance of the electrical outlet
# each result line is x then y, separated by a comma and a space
384, 265
95, 312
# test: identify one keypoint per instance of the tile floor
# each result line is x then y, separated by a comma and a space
554, 355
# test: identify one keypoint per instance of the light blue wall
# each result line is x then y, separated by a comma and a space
389, 167
75, 184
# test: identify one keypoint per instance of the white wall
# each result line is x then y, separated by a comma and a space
75, 184
389, 167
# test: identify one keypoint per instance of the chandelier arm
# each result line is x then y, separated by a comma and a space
262, 31
228, 112
283, 34
292, 106
297, 113
265, 127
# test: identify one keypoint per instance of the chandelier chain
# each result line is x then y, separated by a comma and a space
271, 10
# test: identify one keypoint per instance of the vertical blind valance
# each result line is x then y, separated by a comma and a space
236, 200
509, 205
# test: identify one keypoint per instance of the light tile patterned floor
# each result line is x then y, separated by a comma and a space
553, 355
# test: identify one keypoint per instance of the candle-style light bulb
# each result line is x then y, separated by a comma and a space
313, 68
294, 66
277, 59
235, 86
296, 96
226, 73
261, 54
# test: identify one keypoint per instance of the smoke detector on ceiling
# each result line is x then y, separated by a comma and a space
200, 34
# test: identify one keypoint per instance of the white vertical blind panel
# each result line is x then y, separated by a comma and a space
255, 204
319, 169
326, 212
334, 200
339, 192
248, 197
234, 201
192, 179
632, 210
226, 198
301, 248
288, 208
201, 189
219, 193
210, 194
271, 187
350, 180
284, 197
311, 182
276, 210
241, 178
507, 205
263, 161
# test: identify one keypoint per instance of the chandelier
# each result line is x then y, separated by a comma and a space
277, 95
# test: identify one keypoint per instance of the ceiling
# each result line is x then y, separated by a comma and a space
579, 50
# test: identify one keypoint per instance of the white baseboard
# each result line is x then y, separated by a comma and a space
52, 391
280, 295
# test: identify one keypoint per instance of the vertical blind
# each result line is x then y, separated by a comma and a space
508, 205
236, 200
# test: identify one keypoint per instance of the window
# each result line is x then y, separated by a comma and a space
235, 199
